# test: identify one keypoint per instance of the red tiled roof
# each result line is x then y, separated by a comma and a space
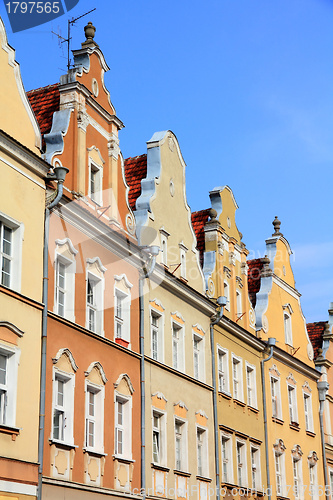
254, 278
316, 331
44, 102
199, 220
135, 171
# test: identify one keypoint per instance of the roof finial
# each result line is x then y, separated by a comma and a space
276, 223
89, 31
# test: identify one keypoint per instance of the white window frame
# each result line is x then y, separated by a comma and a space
8, 389
280, 475
276, 398
67, 408
331, 481
226, 458
241, 460
223, 370
96, 419
125, 427
239, 303
157, 331
255, 467
308, 414
164, 249
178, 351
97, 195
97, 307
292, 403
287, 324
237, 381
69, 287
226, 293
297, 478
251, 385
313, 481
199, 357
160, 452
202, 451
181, 461
122, 324
17, 229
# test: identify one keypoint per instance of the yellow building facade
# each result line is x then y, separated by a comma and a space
22, 201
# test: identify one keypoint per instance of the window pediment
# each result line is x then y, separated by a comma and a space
9, 332
279, 446
65, 359
96, 373
297, 452
124, 384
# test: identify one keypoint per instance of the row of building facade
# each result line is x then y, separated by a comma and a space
142, 354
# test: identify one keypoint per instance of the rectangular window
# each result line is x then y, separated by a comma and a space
122, 306
63, 407
227, 295
183, 264
59, 411
91, 419
239, 303
123, 427
292, 404
6, 254
226, 453
241, 463
255, 468
198, 357
237, 378
91, 304
119, 315
119, 427
180, 445
154, 335
251, 386
61, 288
177, 347
297, 477
287, 329
313, 486
278, 473
223, 368
202, 452
94, 417
95, 186
3, 388
156, 438
308, 412
276, 399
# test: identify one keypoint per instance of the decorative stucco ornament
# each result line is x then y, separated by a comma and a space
252, 318
82, 120
265, 323
210, 288
171, 144
309, 351
130, 224
229, 222
172, 187
220, 247
113, 146
94, 87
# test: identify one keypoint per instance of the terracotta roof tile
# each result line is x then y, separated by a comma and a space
44, 102
316, 331
254, 279
199, 220
135, 171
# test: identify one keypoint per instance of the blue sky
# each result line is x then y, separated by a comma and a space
246, 86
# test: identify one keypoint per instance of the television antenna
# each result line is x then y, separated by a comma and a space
67, 40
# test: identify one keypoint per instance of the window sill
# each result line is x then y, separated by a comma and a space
92, 451
229, 486
239, 402
7, 429
121, 341
225, 395
160, 467
311, 433
253, 409
204, 478
62, 444
294, 426
181, 473
277, 420
123, 459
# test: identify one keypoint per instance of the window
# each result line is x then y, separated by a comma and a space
276, 398
227, 295
180, 445
95, 297
9, 359
177, 347
202, 452
64, 279
11, 237
237, 378
251, 385
292, 404
198, 357
122, 315
164, 250
123, 419
279, 472
6, 253
297, 477
287, 329
183, 264
255, 468
239, 303
156, 329
308, 412
313, 483
91, 304
331, 482
226, 453
63, 407
241, 463
94, 417
223, 369
95, 182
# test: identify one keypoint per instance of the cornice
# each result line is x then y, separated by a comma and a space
295, 364
242, 334
280, 282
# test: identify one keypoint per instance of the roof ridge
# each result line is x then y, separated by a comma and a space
43, 88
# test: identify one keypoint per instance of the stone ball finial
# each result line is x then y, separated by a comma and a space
212, 214
277, 224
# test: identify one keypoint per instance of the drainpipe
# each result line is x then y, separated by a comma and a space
322, 390
221, 301
59, 175
147, 271
270, 343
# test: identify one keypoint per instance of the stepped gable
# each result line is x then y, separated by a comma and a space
135, 171
316, 332
254, 279
199, 220
44, 102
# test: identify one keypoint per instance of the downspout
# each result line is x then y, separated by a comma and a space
146, 273
221, 302
270, 343
60, 173
322, 390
